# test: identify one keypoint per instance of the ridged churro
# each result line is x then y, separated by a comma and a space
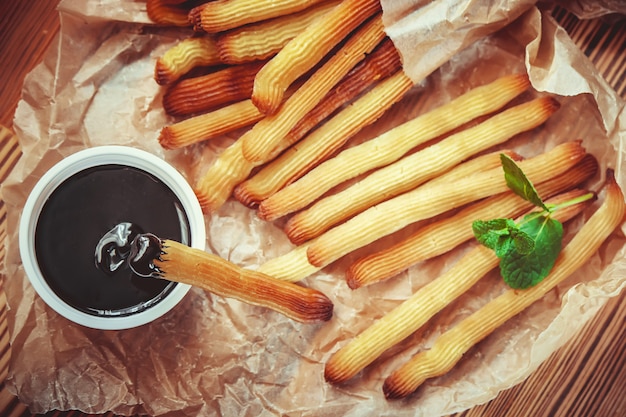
264, 39
185, 55
443, 235
449, 348
413, 313
393, 144
207, 92
209, 125
169, 13
152, 257
425, 202
221, 15
415, 169
306, 50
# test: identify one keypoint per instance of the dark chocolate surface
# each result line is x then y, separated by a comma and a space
85, 208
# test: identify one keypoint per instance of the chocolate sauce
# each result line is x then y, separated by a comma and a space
105, 205
145, 248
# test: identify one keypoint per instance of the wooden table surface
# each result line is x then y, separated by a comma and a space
587, 377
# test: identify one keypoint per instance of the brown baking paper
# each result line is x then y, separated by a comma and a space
214, 356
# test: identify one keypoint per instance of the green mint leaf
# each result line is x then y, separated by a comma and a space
523, 242
523, 270
495, 234
517, 181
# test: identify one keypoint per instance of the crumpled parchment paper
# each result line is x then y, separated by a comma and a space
216, 356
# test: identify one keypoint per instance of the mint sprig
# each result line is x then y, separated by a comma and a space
527, 249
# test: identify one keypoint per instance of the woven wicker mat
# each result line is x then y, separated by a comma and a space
587, 376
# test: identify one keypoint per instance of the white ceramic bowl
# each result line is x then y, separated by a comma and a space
75, 163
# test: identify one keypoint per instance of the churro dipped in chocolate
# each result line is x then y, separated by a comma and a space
153, 257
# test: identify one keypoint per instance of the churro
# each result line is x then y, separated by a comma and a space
393, 144
449, 348
152, 257
413, 170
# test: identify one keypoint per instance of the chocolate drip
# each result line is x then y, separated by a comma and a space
144, 249
114, 247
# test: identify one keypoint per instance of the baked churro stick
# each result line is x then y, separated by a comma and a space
417, 168
256, 148
167, 259
168, 13
393, 144
264, 39
222, 15
206, 92
215, 186
324, 141
414, 312
209, 125
277, 126
294, 265
195, 18
382, 62
449, 348
304, 51
439, 237
428, 201
183, 57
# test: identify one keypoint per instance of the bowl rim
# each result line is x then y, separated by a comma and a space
77, 162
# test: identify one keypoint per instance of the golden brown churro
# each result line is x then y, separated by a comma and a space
425, 202
222, 15
216, 185
164, 12
445, 234
206, 92
393, 144
264, 39
209, 125
183, 57
449, 348
259, 145
414, 312
294, 265
214, 188
380, 64
177, 262
324, 141
417, 168
306, 50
